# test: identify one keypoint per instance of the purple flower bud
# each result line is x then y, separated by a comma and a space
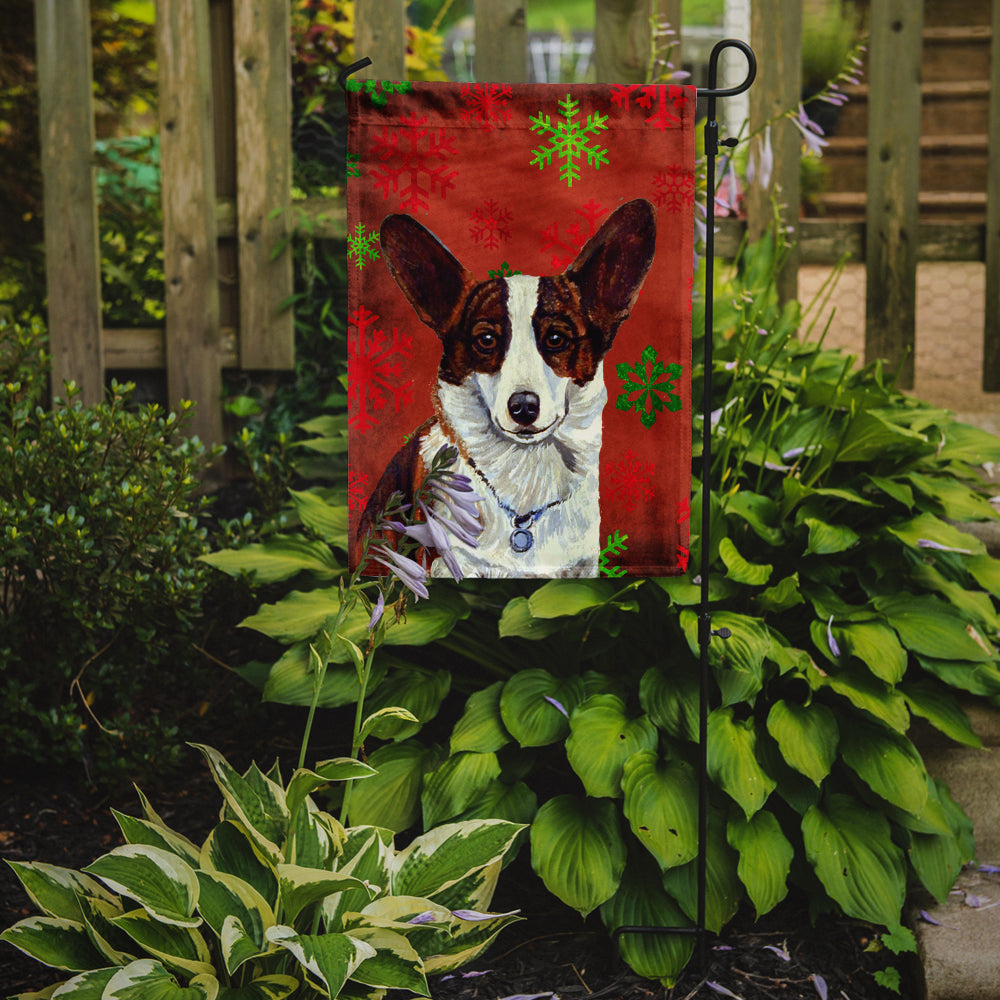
820, 983
558, 705
410, 573
377, 612
427, 917
834, 648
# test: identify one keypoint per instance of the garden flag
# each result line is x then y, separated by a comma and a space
520, 276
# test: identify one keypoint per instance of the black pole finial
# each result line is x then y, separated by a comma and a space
350, 70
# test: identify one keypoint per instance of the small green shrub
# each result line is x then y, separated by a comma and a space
99, 546
280, 899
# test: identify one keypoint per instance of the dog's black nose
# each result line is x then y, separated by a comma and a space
523, 407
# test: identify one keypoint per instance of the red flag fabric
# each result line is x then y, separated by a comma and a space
520, 275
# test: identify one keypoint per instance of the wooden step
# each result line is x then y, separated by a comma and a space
956, 53
939, 13
958, 206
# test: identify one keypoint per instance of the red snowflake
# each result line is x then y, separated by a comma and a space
357, 490
374, 371
650, 94
565, 244
683, 510
490, 224
486, 103
629, 481
683, 555
674, 189
412, 162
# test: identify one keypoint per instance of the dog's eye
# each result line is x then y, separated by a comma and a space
484, 338
555, 339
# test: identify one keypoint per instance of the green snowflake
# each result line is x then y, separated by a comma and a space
649, 387
362, 246
569, 141
353, 166
504, 271
615, 547
378, 91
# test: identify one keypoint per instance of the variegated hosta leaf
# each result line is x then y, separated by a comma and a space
177, 947
99, 915
661, 799
147, 979
578, 851
466, 941
56, 891
86, 986
391, 799
535, 706
158, 880
888, 763
850, 847
642, 902
456, 784
602, 737
732, 760
329, 959
807, 736
481, 727
476, 890
765, 858
395, 964
367, 853
230, 849
225, 897
304, 782
274, 987
301, 887
54, 941
141, 831
315, 838
441, 857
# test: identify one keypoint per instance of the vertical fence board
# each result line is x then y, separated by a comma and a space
380, 34
669, 12
991, 333
892, 215
621, 40
262, 60
190, 254
501, 41
72, 256
776, 35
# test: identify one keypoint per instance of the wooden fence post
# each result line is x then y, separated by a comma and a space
776, 35
380, 34
190, 251
72, 255
892, 215
501, 41
991, 332
262, 61
621, 40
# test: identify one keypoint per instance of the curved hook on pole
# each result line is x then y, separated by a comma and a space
713, 90
349, 70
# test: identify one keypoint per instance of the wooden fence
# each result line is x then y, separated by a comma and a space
226, 160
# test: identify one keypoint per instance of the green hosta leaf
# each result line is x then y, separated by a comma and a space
292, 680
941, 709
275, 987
758, 511
828, 539
807, 736
986, 571
54, 941
301, 887
783, 595
325, 519
661, 799
976, 678
330, 959
560, 598
391, 798
876, 646
893, 488
56, 891
440, 858
850, 847
147, 979
516, 803
888, 763
865, 692
481, 728
141, 831
931, 628
230, 849
741, 571
723, 889
180, 948
225, 897
517, 620
937, 859
965, 443
530, 706
671, 700
870, 436
975, 605
738, 661
956, 500
732, 760
163, 884
765, 858
415, 689
578, 851
395, 964
279, 558
641, 901
602, 738
304, 782
928, 528
456, 784
386, 723
684, 593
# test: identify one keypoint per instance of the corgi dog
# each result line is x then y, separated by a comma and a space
520, 391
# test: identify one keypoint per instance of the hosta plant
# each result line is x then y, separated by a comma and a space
279, 900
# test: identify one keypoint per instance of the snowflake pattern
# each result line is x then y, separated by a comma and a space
353, 165
615, 546
504, 271
357, 490
362, 246
374, 369
629, 481
490, 224
412, 162
378, 91
644, 391
565, 244
569, 141
650, 94
486, 103
674, 189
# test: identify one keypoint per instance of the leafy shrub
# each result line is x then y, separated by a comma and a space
99, 539
854, 604
279, 899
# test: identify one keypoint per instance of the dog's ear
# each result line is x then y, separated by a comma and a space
425, 269
613, 264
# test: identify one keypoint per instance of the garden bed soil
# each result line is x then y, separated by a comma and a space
54, 819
